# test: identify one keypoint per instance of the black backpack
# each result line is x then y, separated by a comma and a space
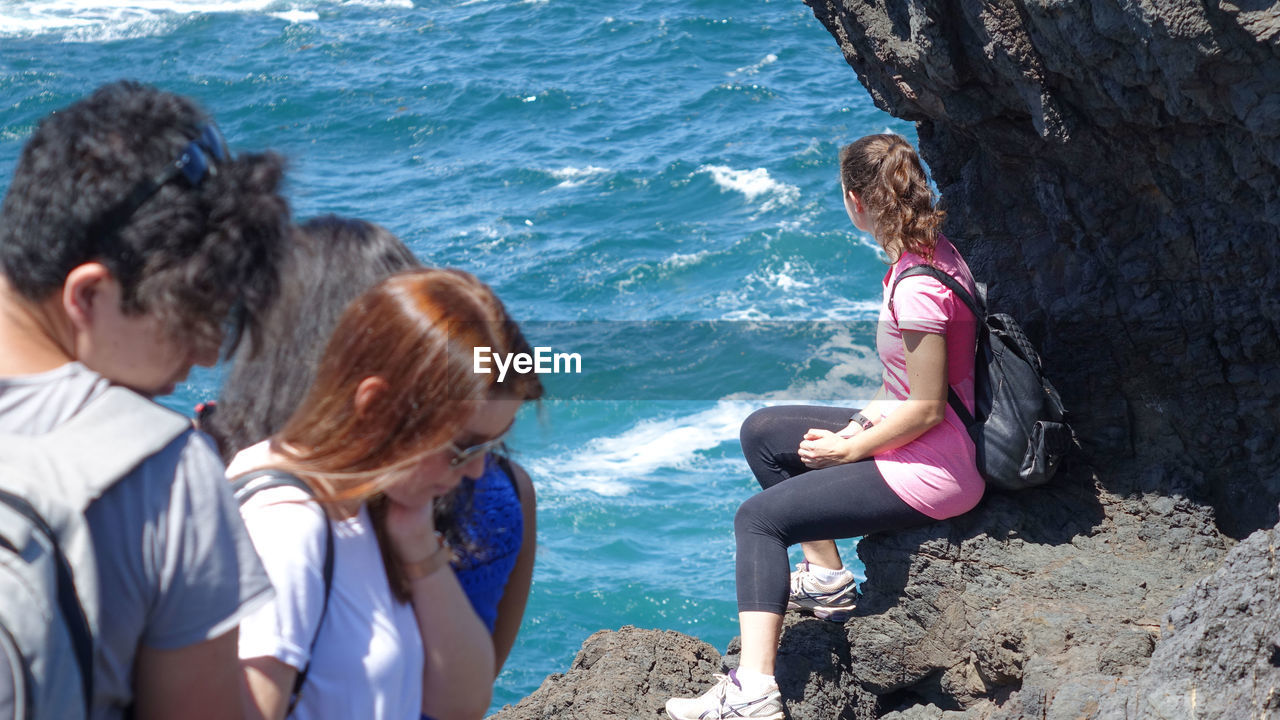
1018, 425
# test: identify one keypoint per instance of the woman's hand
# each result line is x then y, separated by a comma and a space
412, 531
823, 448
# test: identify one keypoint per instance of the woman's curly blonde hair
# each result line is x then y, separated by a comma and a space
886, 173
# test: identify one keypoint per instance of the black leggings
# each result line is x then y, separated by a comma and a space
842, 501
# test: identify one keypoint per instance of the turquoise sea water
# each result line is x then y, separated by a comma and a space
650, 185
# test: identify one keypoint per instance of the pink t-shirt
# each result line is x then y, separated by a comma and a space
936, 473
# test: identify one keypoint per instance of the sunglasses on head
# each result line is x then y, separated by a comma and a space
461, 456
194, 163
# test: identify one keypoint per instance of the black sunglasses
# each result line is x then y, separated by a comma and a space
461, 456
194, 163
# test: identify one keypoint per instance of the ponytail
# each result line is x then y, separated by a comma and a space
886, 173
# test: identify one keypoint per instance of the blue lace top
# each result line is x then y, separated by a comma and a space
496, 528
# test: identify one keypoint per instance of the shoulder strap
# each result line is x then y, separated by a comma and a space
83, 457
58, 474
68, 601
979, 314
251, 483
951, 283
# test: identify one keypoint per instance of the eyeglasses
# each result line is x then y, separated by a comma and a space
463, 455
194, 163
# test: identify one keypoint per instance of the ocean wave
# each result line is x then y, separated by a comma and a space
838, 310
753, 69
683, 260
574, 176
614, 465
784, 278
108, 20
611, 466
296, 16
752, 184
870, 243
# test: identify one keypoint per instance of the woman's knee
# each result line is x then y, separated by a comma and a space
752, 517
757, 428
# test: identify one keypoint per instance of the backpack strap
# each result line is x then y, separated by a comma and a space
979, 314
56, 475
69, 606
106, 440
250, 484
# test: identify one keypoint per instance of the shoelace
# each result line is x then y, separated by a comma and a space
797, 578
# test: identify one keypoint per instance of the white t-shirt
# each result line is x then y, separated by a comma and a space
368, 659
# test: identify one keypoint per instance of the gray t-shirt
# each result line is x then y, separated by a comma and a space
175, 564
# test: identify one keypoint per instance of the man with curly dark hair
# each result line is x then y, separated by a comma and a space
133, 246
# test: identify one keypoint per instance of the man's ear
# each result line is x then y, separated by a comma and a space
86, 290
368, 393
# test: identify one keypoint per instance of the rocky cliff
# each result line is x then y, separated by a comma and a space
1111, 169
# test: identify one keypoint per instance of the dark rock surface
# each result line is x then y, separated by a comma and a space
1111, 169
1220, 657
629, 673
1102, 164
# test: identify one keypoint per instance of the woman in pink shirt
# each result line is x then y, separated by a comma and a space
904, 460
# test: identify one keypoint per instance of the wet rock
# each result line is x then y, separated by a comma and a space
628, 673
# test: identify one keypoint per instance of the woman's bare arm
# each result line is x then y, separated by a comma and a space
926, 360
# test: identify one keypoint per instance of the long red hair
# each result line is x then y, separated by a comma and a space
417, 331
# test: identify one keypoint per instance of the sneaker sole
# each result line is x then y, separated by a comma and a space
835, 615
775, 716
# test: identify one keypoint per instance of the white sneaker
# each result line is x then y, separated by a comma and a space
834, 601
727, 700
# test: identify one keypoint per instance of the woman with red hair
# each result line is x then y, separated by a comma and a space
395, 418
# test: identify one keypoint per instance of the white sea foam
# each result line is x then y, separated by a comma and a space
574, 176
747, 313
784, 277
869, 242
296, 16
753, 69
681, 260
613, 465
852, 363
106, 20
753, 184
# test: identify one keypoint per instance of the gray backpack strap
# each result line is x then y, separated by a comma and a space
102, 443
46, 483
52, 592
